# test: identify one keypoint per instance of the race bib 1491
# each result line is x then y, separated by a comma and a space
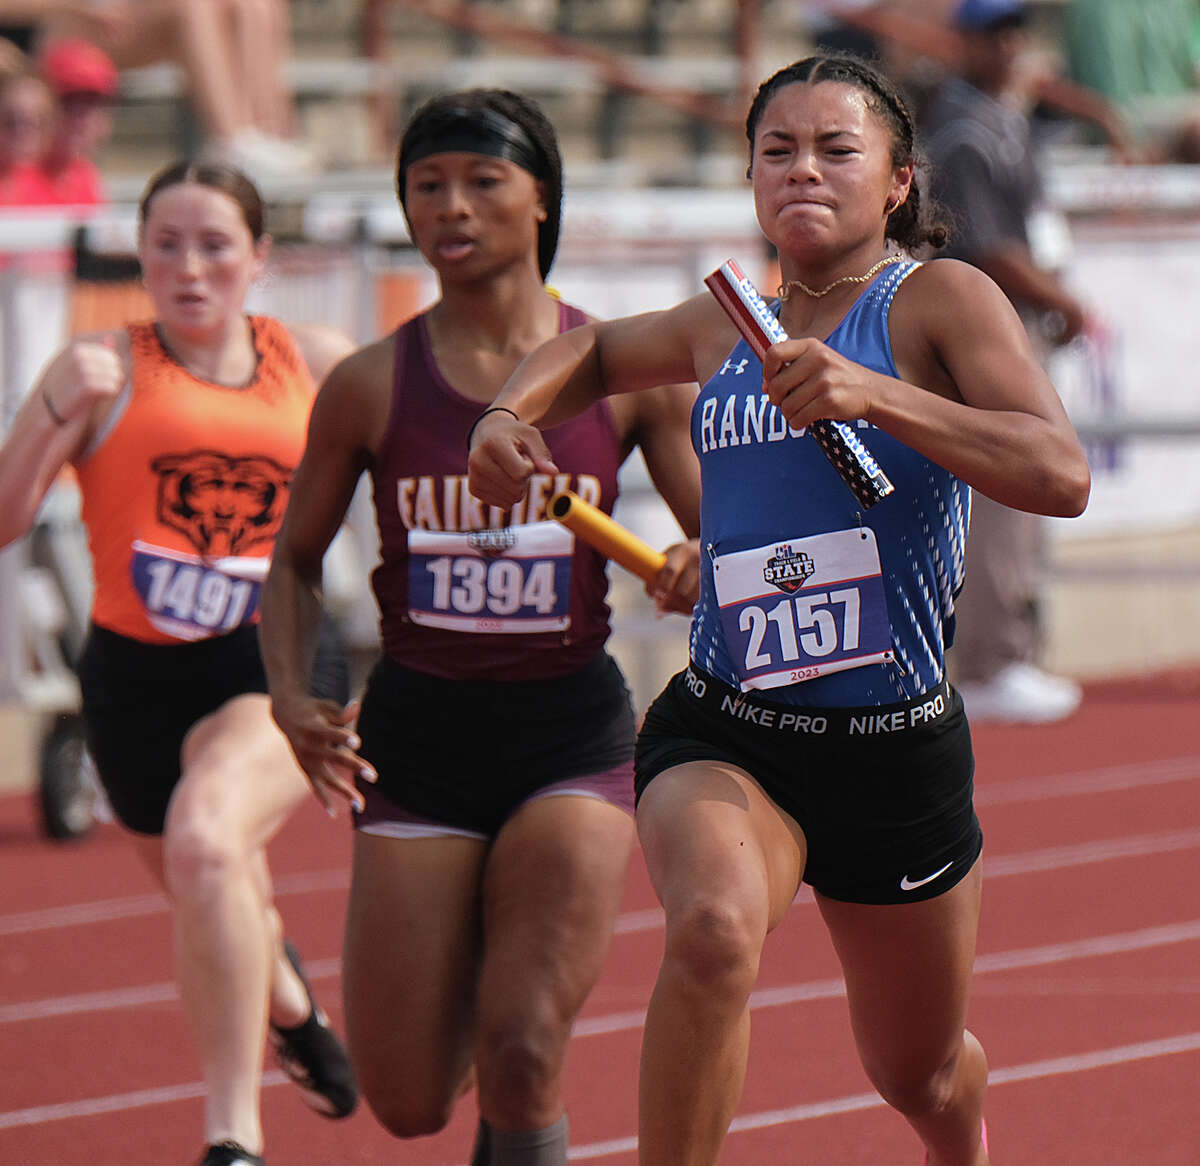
192, 598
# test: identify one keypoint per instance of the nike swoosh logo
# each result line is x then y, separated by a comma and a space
907, 884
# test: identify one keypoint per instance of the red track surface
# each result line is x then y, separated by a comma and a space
1087, 994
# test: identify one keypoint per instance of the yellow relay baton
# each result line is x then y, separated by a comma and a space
610, 538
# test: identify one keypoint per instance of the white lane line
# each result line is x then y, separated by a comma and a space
1045, 955
136, 997
1056, 953
648, 919
1088, 853
1100, 945
1111, 779
1136, 775
1056, 858
106, 910
1030, 1071
1171, 989
116, 1102
75, 914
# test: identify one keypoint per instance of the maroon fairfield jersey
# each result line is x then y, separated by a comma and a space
476, 592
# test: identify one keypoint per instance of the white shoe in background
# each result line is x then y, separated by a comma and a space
1020, 693
260, 156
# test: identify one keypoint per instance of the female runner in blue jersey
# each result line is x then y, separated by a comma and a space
490, 854
813, 737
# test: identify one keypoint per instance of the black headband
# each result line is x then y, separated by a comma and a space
474, 131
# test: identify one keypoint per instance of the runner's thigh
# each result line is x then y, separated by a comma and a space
552, 889
238, 774
710, 834
411, 968
908, 972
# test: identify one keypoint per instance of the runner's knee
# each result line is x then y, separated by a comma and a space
519, 1062
915, 1089
408, 1109
714, 947
200, 855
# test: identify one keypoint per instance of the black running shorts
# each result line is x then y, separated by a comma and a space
140, 700
883, 794
466, 753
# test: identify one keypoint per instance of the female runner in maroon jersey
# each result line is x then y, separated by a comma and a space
494, 793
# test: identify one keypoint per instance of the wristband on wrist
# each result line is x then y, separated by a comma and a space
493, 409
58, 418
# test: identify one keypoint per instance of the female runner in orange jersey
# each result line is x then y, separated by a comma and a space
184, 432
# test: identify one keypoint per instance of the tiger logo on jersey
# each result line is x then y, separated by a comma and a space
223, 505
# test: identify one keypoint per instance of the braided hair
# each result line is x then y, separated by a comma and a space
526, 114
913, 224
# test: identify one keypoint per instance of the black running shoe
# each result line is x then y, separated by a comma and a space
66, 781
229, 1153
313, 1057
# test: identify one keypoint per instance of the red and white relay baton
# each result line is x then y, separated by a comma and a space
735, 292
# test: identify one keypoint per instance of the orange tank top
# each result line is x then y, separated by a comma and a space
185, 487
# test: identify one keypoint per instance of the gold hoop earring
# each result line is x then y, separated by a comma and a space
890, 209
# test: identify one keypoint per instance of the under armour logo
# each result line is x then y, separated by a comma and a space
736, 369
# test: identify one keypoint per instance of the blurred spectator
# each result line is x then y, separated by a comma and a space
75, 123
917, 41
1143, 56
18, 33
985, 175
23, 21
53, 119
84, 79
12, 59
26, 116
233, 55
831, 34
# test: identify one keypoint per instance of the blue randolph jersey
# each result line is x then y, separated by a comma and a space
804, 593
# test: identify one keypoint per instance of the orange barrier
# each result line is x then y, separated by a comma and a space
399, 295
99, 306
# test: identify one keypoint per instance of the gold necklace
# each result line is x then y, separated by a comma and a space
785, 289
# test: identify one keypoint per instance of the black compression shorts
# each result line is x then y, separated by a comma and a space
466, 753
883, 794
140, 700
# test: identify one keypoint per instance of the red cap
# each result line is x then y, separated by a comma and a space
77, 66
